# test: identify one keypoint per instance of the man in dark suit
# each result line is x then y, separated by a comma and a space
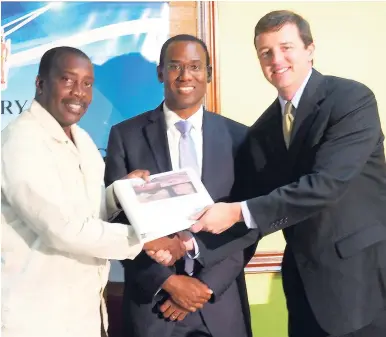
162, 301
313, 165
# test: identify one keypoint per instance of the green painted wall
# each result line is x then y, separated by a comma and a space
267, 302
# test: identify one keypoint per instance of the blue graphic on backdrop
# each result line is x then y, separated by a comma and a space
122, 39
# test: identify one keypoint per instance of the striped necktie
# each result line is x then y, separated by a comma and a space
187, 155
288, 120
188, 158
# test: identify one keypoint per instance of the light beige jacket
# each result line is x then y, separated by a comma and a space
54, 240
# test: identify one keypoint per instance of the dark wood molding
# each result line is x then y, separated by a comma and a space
207, 30
265, 262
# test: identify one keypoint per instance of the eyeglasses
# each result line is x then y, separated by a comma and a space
192, 68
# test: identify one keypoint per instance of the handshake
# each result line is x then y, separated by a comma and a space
169, 249
186, 294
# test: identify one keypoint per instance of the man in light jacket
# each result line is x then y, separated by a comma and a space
55, 239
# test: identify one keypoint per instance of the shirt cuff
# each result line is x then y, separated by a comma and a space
249, 222
195, 252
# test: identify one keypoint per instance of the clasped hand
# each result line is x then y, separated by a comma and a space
166, 250
186, 293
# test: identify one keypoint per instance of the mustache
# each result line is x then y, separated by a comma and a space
82, 103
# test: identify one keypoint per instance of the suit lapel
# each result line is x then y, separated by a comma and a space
272, 130
155, 134
307, 112
213, 150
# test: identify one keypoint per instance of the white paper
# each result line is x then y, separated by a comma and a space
163, 205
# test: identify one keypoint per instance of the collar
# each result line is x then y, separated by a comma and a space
49, 123
295, 100
171, 118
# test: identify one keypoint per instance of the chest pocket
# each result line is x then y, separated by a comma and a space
360, 240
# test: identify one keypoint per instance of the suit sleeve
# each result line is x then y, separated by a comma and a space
237, 238
149, 275
353, 134
220, 277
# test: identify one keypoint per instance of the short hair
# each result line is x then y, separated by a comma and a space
182, 37
275, 20
50, 57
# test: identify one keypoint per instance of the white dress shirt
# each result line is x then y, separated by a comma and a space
55, 242
174, 136
249, 222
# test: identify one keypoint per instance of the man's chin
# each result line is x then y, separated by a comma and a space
70, 120
186, 104
282, 85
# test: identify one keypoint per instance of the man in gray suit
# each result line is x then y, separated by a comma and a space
313, 165
176, 301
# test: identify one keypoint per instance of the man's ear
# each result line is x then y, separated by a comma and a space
39, 85
311, 51
209, 73
159, 74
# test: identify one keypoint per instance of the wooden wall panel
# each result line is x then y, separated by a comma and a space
199, 19
183, 17
207, 31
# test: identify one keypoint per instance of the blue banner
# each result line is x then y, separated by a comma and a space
122, 39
